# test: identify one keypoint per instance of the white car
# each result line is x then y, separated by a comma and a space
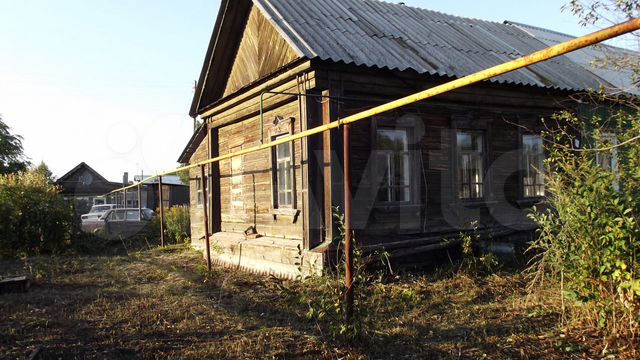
96, 212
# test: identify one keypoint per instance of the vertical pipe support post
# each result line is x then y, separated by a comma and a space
348, 239
205, 206
139, 202
160, 195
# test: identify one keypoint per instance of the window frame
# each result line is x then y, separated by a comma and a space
610, 139
391, 164
524, 168
282, 127
409, 123
484, 156
199, 197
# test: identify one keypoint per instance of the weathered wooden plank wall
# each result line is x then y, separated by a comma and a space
485, 107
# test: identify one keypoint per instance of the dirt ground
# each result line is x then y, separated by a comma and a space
161, 304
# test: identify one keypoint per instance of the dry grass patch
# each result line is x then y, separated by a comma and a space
163, 304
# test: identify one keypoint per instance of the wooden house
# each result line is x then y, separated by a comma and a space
84, 185
174, 192
419, 175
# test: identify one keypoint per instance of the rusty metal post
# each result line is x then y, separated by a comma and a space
348, 239
139, 203
161, 211
206, 214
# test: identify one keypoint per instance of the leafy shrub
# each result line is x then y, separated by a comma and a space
325, 295
35, 218
471, 263
178, 224
589, 236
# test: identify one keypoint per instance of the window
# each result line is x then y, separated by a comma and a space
166, 196
283, 178
132, 215
116, 215
608, 160
470, 164
392, 165
198, 191
533, 158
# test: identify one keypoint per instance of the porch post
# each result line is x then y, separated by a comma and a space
206, 214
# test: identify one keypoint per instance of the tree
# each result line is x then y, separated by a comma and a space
12, 158
602, 13
184, 176
589, 235
44, 170
35, 218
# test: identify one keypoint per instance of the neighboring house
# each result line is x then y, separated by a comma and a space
84, 185
175, 193
420, 174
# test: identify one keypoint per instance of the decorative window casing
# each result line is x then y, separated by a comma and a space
470, 164
533, 181
283, 178
393, 164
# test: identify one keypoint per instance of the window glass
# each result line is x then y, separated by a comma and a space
392, 165
470, 164
198, 191
533, 157
118, 215
283, 179
608, 160
132, 215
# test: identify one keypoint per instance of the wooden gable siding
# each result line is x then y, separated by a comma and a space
262, 51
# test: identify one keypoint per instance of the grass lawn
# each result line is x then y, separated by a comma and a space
162, 304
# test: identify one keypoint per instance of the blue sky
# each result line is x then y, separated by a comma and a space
110, 82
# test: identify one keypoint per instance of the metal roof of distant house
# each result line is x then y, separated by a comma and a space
592, 58
394, 36
166, 180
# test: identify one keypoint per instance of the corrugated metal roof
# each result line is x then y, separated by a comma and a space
166, 179
591, 58
385, 35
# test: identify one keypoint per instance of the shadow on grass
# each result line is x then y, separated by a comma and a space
162, 304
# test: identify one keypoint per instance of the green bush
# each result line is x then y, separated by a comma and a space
35, 218
178, 224
589, 236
